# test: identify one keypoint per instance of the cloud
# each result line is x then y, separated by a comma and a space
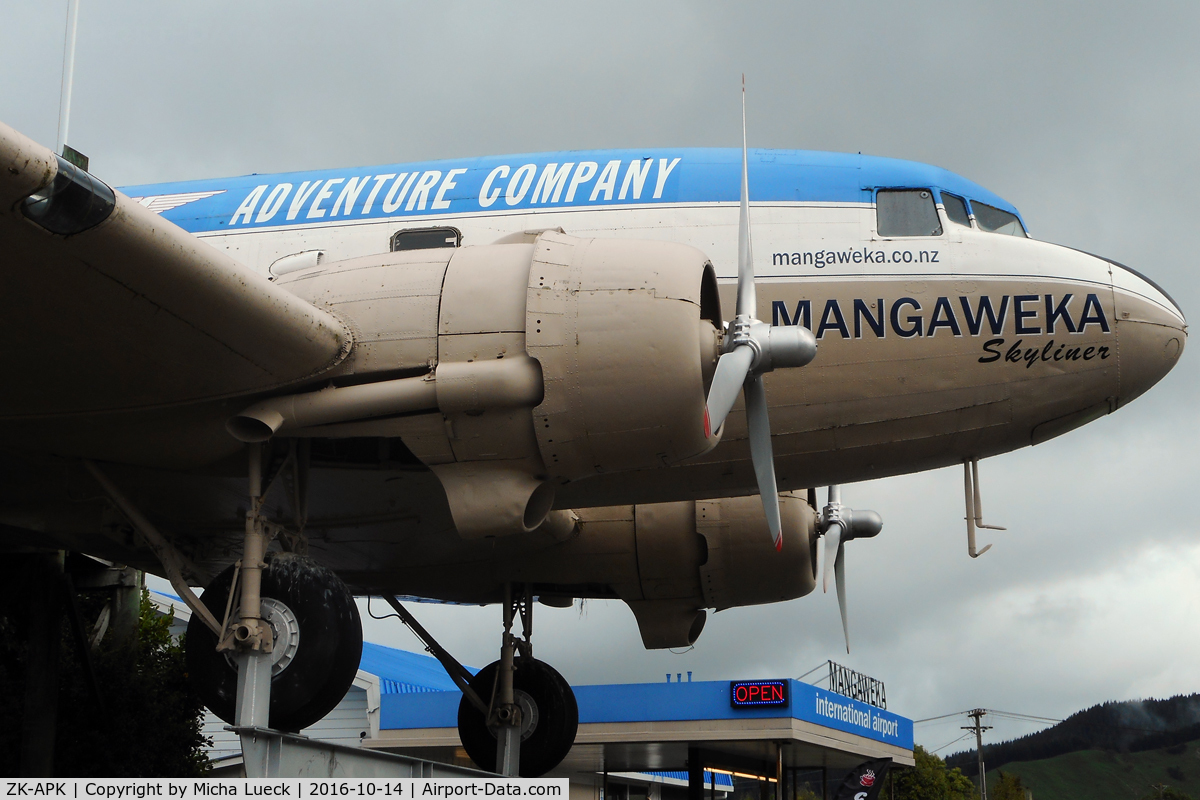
1085, 117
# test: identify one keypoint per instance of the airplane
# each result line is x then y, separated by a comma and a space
521, 379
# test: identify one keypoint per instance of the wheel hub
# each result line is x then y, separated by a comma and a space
285, 630
529, 715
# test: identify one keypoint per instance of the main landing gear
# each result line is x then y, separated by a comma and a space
290, 642
518, 716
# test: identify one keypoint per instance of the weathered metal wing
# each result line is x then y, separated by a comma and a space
130, 314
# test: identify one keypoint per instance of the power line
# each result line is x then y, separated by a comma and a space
1012, 714
820, 666
943, 716
1024, 717
947, 744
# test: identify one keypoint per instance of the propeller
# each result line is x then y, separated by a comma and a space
840, 525
753, 348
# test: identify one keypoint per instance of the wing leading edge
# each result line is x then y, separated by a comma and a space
134, 313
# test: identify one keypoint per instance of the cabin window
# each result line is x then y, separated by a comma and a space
956, 209
907, 212
425, 238
996, 220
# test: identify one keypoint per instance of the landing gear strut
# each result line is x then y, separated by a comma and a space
532, 718
291, 639
518, 716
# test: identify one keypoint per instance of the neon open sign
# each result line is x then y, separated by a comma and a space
758, 693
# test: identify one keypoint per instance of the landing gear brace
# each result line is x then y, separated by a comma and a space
528, 703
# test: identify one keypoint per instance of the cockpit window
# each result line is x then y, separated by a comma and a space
995, 220
907, 212
956, 209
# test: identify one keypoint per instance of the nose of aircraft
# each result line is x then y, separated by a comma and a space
1151, 331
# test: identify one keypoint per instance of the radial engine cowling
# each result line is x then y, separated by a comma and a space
554, 358
707, 554
625, 332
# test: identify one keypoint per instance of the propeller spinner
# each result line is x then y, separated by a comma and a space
753, 348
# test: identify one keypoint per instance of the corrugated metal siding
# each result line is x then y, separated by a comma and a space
387, 686
346, 723
224, 743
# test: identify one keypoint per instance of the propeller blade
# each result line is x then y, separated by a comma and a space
839, 572
747, 301
761, 454
732, 370
833, 545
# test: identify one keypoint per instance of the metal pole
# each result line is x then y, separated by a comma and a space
778, 771
68, 76
695, 765
40, 716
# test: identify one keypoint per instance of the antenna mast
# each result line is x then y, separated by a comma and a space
68, 76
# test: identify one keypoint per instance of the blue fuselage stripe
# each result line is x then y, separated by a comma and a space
522, 183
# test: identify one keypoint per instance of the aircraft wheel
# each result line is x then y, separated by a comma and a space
318, 643
550, 718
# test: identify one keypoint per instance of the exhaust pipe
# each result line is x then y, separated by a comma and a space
452, 387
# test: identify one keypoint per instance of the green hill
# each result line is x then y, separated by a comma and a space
1107, 775
1129, 726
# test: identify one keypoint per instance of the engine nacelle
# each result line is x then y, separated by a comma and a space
707, 554
624, 333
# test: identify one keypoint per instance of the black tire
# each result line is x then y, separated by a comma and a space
326, 659
558, 718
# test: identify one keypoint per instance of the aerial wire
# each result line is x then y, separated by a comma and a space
68, 74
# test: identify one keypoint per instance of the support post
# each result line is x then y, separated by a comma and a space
695, 764
39, 721
126, 601
779, 771
253, 708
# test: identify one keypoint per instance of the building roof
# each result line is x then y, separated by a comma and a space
404, 672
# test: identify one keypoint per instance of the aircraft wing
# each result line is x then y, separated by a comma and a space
132, 313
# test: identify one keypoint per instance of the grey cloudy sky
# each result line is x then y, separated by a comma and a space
1085, 115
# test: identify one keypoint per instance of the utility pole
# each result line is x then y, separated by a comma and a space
978, 714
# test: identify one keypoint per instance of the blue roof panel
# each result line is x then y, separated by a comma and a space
404, 672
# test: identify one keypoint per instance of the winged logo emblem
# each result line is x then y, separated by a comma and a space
165, 202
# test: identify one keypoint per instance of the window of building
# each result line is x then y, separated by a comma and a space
956, 209
907, 212
995, 220
426, 238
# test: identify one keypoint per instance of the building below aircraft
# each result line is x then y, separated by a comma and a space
637, 738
